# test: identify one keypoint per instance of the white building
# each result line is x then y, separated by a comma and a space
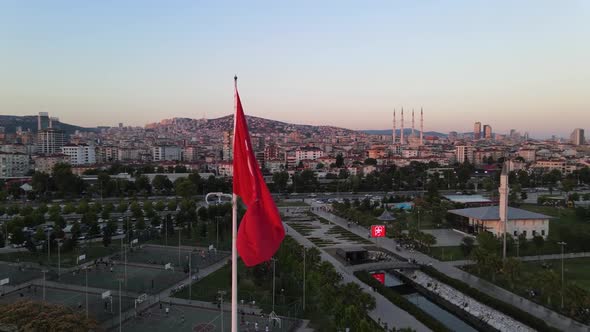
13, 164
492, 218
308, 153
80, 154
166, 153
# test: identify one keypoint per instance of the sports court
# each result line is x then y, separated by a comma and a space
97, 307
140, 279
197, 319
156, 255
18, 274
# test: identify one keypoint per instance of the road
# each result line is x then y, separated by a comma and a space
551, 317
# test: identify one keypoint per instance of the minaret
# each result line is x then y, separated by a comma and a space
401, 141
413, 134
421, 126
394, 136
504, 205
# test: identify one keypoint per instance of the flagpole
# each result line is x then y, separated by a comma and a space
234, 251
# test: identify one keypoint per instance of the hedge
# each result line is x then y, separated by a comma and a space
508, 309
402, 302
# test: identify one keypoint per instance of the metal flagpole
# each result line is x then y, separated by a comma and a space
234, 266
234, 251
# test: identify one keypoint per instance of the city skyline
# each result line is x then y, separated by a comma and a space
100, 64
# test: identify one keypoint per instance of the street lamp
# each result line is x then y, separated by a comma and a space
562, 244
221, 294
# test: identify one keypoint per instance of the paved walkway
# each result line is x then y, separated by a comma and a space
530, 258
384, 309
551, 317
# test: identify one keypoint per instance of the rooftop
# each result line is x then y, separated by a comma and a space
467, 198
493, 213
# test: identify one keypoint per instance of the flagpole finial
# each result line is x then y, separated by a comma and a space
236, 78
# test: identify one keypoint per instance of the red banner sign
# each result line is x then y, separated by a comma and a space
378, 231
380, 277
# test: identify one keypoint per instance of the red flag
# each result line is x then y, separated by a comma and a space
377, 231
261, 230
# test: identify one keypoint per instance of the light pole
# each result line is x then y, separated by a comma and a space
44, 271
274, 261
217, 233
120, 317
179, 231
304, 254
190, 277
221, 294
562, 244
59, 243
48, 247
86, 270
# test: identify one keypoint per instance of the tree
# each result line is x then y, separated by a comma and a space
339, 160
142, 183
185, 188
42, 316
511, 269
371, 161
106, 236
428, 239
487, 242
161, 183
568, 185
538, 241
280, 180
467, 245
548, 282
160, 206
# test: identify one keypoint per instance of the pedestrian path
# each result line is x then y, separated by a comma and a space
551, 317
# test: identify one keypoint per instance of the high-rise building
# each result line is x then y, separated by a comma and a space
50, 141
477, 130
227, 152
487, 132
43, 121
577, 137
13, 164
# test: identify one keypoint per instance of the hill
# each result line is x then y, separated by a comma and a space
10, 122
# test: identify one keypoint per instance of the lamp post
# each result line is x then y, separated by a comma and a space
59, 243
86, 270
221, 294
44, 272
304, 254
562, 244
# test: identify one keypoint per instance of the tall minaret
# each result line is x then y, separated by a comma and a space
504, 191
413, 133
394, 136
401, 141
421, 126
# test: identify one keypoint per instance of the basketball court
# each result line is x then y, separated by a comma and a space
158, 255
140, 279
18, 274
198, 319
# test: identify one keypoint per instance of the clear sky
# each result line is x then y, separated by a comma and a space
510, 64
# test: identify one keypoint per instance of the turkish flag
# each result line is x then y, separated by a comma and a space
261, 230
378, 231
380, 277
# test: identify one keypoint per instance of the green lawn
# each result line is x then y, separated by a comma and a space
449, 253
576, 270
